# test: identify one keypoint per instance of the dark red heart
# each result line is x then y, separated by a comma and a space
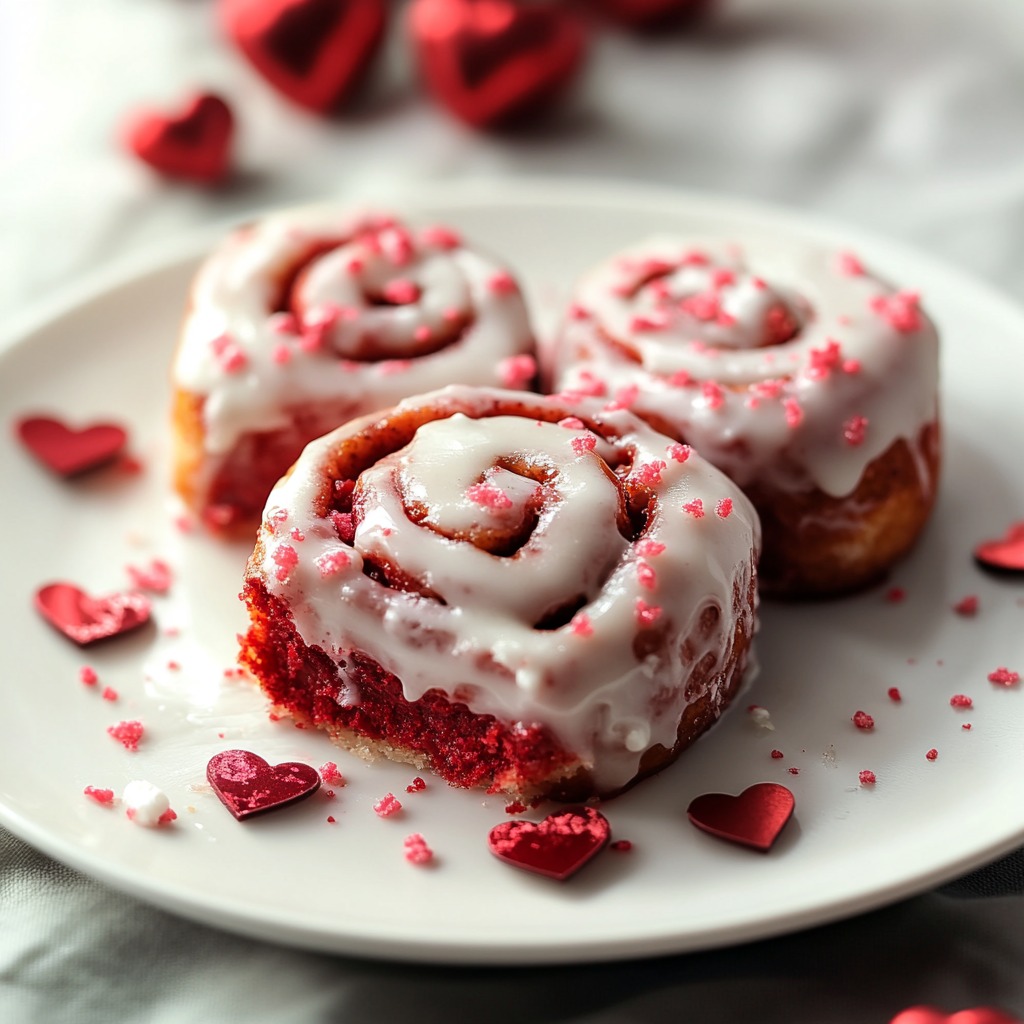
86, 619
651, 13
68, 451
754, 818
315, 52
557, 847
977, 1015
491, 61
248, 785
195, 145
1005, 555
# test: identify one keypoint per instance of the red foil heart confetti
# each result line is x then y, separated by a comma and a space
1005, 555
86, 619
493, 61
977, 1015
315, 52
754, 818
247, 785
67, 451
558, 846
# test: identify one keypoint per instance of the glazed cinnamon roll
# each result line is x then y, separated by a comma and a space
804, 377
310, 317
539, 599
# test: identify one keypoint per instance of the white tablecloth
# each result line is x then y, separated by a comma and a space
906, 117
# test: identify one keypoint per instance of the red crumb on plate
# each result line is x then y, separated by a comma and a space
387, 805
932, 754
793, 771
101, 796
87, 675
330, 774
895, 595
967, 606
894, 694
960, 700
867, 778
416, 786
127, 734
1004, 676
863, 720
621, 846
109, 693
777, 755
416, 849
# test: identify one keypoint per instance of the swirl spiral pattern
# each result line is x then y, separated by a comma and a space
308, 318
578, 584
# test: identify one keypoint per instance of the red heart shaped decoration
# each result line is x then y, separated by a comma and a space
929, 1015
313, 51
69, 452
86, 619
490, 61
754, 818
1005, 555
248, 785
195, 145
557, 847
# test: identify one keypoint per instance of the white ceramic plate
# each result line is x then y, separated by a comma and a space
295, 878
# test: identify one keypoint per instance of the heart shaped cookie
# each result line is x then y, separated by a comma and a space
754, 818
496, 61
977, 1015
67, 451
247, 785
315, 52
558, 846
194, 145
86, 619
1005, 555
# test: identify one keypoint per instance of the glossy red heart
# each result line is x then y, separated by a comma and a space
248, 785
558, 846
1005, 555
491, 61
315, 52
86, 619
754, 818
929, 1015
650, 13
67, 451
194, 145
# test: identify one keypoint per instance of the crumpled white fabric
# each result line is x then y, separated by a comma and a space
906, 118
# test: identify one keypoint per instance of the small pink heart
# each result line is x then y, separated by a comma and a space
248, 785
68, 451
977, 1015
86, 619
557, 847
754, 818
1005, 555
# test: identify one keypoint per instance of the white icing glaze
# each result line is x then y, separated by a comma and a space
346, 347
689, 325
583, 679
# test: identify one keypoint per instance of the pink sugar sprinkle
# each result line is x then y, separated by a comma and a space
900, 310
932, 754
344, 526
155, 577
851, 366
680, 379
439, 237
867, 778
648, 323
794, 413
824, 360
584, 444
849, 264
283, 323
416, 850
854, 430
679, 452
330, 774
127, 734
1004, 676
580, 625
229, 354
695, 508
724, 508
398, 246
416, 786
624, 398
87, 675
389, 367
101, 796
646, 576
387, 805
517, 371
649, 548
894, 694
714, 396
621, 846
578, 312
285, 557
967, 606
770, 388
647, 614
502, 283
281, 354
572, 423
167, 817
777, 755
488, 496
355, 266
649, 473
401, 291
330, 563
960, 700
422, 333
109, 693
863, 720
297, 534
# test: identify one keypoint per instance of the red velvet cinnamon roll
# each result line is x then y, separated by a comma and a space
807, 379
540, 600
310, 317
